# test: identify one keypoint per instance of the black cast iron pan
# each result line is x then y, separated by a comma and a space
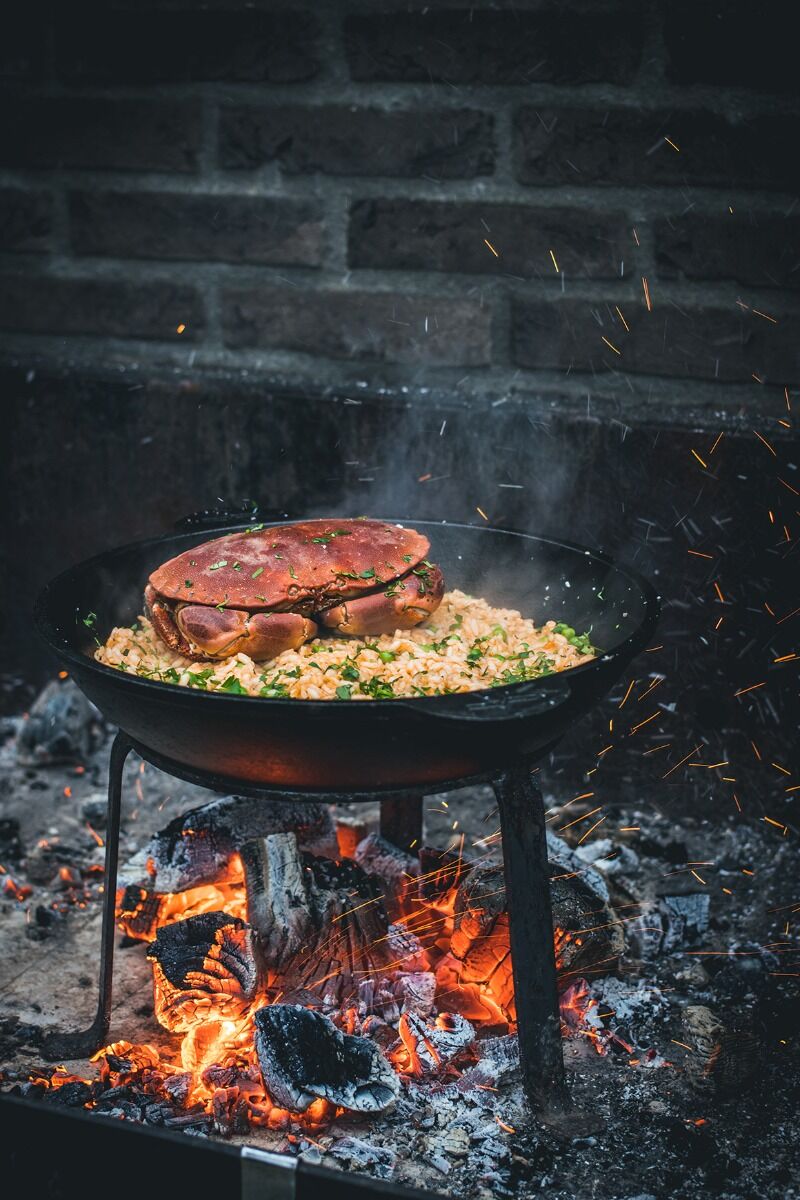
365, 745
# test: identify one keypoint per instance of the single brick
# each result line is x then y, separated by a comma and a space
137, 135
728, 344
487, 239
214, 228
556, 45
377, 327
193, 45
606, 145
25, 220
758, 249
48, 304
339, 140
731, 44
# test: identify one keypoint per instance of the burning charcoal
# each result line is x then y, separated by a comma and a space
585, 933
405, 947
393, 868
62, 727
202, 846
418, 990
178, 1086
498, 1063
441, 871
321, 924
381, 1033
74, 1094
206, 966
303, 1057
357, 1155
49, 859
432, 1047
139, 912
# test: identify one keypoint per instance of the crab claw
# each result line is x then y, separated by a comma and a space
402, 605
199, 632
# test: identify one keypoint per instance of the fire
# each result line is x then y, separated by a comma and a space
209, 980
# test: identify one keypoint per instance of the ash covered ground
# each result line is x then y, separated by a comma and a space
697, 1082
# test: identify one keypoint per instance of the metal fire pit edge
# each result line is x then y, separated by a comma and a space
61, 1154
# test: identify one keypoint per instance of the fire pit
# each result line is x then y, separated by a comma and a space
313, 752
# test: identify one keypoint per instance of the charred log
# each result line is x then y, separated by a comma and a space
322, 927
585, 932
392, 868
202, 846
205, 967
304, 1057
432, 1046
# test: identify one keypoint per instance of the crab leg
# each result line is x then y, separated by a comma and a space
200, 632
402, 605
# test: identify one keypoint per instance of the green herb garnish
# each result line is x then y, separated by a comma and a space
258, 571
232, 685
344, 692
223, 562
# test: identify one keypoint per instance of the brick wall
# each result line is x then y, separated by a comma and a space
586, 199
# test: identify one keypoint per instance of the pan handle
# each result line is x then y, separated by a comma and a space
214, 518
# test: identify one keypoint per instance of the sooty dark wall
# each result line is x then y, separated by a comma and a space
545, 196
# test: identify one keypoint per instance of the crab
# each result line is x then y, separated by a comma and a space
268, 588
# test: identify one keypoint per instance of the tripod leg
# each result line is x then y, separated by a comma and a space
84, 1043
401, 821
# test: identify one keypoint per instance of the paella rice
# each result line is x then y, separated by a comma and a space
465, 645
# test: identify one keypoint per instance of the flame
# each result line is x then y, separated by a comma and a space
210, 1065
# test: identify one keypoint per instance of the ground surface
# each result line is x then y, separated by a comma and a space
674, 1126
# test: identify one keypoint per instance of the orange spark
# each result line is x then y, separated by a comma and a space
491, 247
611, 345
646, 290
555, 264
671, 143
751, 688
771, 449
699, 459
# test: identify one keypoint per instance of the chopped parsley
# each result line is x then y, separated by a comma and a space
233, 686
90, 619
344, 692
292, 571
368, 574
328, 537
377, 689
258, 571
274, 690
386, 656
349, 671
187, 583
223, 562
255, 528
200, 679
